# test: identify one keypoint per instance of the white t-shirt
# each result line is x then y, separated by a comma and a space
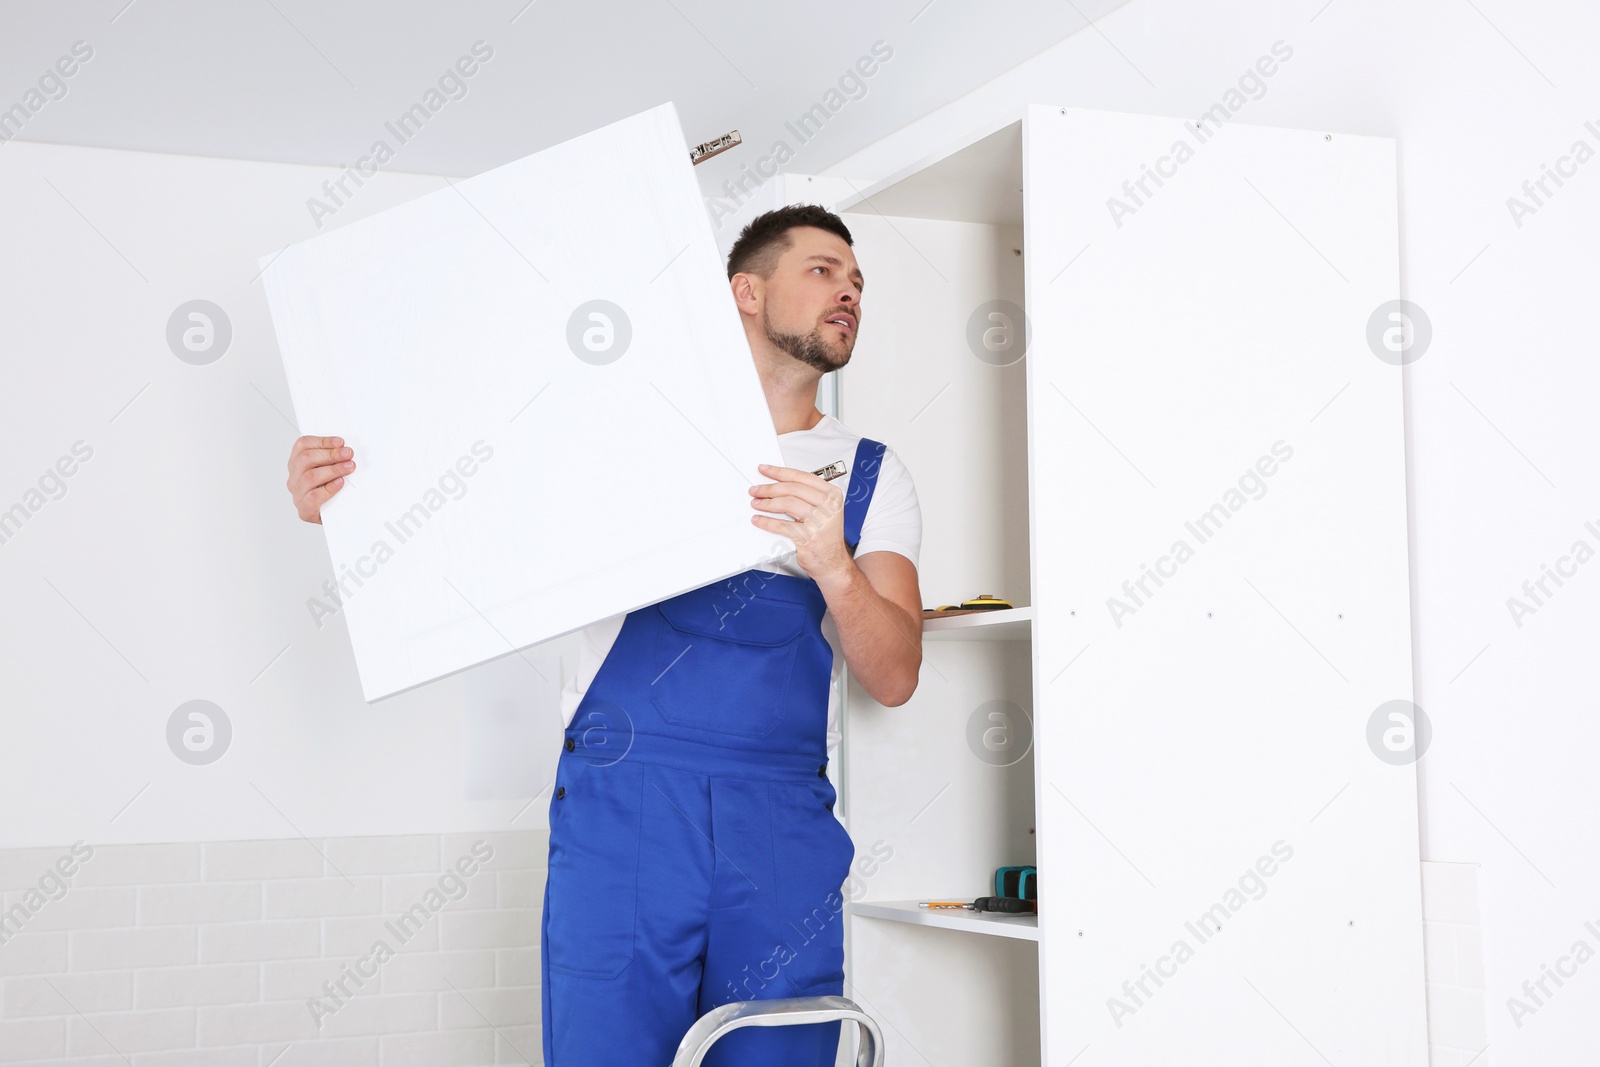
893, 523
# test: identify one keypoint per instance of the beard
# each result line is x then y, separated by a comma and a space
812, 349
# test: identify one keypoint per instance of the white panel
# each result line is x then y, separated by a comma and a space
435, 338
1225, 313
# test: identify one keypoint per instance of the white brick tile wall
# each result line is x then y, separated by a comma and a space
158, 946
1450, 892
290, 939
48, 995
185, 905
1452, 943
241, 1056
521, 889
139, 865
29, 1039
1469, 957
380, 1013
213, 954
246, 1024
259, 861
489, 929
467, 969
517, 966
388, 855
427, 1050
170, 987
81, 909
21, 867
122, 1032
512, 851
401, 929
298, 979
33, 954
469, 1008
331, 1052
298, 898
518, 1044
403, 890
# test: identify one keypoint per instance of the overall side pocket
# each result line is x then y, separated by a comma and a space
594, 867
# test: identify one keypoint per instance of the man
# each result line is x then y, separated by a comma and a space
694, 856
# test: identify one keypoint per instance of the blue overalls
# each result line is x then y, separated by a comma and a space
694, 855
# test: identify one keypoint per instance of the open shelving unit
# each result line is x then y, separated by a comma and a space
911, 782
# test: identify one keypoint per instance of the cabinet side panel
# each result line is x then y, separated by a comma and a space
1221, 596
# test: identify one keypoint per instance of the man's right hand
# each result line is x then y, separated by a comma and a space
317, 466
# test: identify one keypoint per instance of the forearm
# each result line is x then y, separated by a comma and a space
882, 644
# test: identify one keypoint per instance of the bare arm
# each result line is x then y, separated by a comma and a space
877, 607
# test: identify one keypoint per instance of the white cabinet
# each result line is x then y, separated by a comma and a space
1192, 486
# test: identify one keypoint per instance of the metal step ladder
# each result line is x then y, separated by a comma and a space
794, 1011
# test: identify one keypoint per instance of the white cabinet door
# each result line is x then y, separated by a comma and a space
551, 401
1227, 845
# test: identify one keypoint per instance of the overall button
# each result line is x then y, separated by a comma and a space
561, 794
822, 772
571, 744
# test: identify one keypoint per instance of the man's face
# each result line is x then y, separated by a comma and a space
813, 305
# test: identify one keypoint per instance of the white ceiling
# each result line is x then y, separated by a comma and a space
304, 81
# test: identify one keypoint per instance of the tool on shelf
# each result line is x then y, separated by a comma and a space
981, 602
1006, 905
1022, 882
1000, 905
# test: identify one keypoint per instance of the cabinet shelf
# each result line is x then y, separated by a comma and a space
1001, 624
1020, 927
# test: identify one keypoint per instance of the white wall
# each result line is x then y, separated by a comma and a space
1498, 408
170, 566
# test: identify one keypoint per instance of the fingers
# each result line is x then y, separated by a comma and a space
790, 474
804, 511
317, 469
317, 451
796, 495
814, 495
314, 477
312, 510
317, 460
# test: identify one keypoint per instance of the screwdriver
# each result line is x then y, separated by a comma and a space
1006, 905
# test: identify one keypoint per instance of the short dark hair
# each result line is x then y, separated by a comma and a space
764, 241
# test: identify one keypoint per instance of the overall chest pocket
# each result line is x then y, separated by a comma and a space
728, 657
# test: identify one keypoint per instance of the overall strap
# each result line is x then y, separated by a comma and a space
863, 480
